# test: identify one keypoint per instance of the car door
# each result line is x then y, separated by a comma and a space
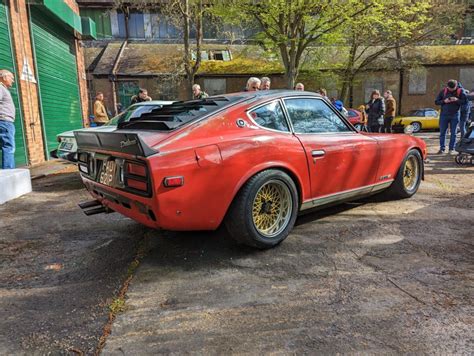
432, 119
340, 160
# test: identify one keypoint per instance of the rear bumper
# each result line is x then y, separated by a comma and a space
141, 209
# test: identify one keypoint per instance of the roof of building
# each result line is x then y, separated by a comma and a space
147, 59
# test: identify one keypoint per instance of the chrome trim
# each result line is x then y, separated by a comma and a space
318, 153
345, 195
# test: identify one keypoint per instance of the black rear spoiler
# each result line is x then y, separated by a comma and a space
129, 143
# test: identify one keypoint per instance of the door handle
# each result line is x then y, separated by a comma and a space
318, 153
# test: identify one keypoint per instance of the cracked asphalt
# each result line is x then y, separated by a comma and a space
372, 276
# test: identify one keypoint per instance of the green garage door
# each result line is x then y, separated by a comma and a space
6, 62
57, 76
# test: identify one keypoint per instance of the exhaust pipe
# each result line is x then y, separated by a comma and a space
94, 207
89, 204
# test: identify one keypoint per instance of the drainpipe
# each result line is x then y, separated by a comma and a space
113, 74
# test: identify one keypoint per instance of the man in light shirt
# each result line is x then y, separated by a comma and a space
7, 120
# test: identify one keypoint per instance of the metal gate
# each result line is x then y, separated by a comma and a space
56, 69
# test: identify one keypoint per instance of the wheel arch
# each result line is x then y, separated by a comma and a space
276, 166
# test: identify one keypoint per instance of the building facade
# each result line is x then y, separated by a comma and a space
40, 44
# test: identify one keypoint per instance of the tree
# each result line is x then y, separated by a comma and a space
187, 16
390, 26
291, 26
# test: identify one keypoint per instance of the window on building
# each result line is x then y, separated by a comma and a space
469, 25
466, 77
372, 84
417, 81
167, 88
136, 26
215, 86
101, 17
214, 55
163, 27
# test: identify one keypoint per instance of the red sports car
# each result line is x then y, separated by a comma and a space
252, 160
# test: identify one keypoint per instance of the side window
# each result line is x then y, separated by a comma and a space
431, 113
314, 116
270, 116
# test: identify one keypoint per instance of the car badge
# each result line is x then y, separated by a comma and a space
127, 143
240, 123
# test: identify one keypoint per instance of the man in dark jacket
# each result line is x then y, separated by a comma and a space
140, 97
375, 110
450, 98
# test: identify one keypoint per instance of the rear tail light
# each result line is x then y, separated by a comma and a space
135, 177
136, 169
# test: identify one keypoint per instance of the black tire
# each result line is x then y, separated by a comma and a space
416, 126
399, 188
240, 219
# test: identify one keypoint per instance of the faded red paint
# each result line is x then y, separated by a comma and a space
216, 157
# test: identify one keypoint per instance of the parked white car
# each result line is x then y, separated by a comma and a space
67, 146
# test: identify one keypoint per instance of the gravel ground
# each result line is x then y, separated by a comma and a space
372, 276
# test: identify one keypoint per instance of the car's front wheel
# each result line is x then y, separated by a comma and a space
408, 178
416, 126
264, 211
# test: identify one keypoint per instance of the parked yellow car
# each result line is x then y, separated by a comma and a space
419, 119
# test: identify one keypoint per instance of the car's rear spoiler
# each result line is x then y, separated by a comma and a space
125, 142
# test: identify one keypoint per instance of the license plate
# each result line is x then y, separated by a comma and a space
67, 146
107, 172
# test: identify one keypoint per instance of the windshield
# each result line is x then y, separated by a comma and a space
416, 113
132, 112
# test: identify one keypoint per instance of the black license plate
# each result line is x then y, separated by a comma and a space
67, 146
108, 172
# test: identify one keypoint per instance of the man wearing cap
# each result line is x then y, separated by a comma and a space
7, 119
450, 98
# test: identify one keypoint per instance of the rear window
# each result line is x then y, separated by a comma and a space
179, 113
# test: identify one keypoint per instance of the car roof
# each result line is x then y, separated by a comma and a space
264, 94
153, 102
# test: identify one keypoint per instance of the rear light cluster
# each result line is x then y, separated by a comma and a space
128, 175
135, 176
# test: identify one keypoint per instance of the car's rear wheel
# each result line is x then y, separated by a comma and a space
416, 126
408, 178
264, 211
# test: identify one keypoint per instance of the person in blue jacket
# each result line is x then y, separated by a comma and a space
464, 112
450, 98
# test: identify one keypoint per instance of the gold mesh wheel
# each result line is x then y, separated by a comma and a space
271, 208
411, 172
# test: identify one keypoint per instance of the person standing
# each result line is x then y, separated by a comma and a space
7, 120
198, 93
253, 84
450, 98
375, 110
390, 111
100, 113
140, 97
299, 87
465, 111
265, 83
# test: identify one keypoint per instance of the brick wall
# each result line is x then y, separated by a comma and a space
22, 49
82, 80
